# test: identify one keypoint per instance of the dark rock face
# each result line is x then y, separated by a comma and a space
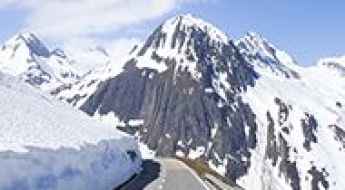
318, 178
309, 126
286, 167
283, 111
338, 104
180, 112
339, 135
60, 89
75, 99
277, 147
271, 147
182, 109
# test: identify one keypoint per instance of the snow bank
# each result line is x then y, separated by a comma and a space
101, 166
46, 145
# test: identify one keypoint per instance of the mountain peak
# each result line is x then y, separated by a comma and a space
31, 41
256, 42
190, 22
181, 35
187, 44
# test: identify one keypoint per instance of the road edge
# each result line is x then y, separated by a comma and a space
129, 181
194, 174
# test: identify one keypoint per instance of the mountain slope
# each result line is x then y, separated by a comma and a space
27, 57
60, 148
300, 136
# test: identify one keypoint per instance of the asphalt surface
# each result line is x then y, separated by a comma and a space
165, 174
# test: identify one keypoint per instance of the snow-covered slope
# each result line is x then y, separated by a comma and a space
45, 144
300, 115
77, 93
301, 133
27, 57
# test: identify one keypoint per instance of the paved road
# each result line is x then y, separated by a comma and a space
165, 174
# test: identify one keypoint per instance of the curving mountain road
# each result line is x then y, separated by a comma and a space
165, 174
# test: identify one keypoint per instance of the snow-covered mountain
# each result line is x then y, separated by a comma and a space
47, 145
244, 107
27, 57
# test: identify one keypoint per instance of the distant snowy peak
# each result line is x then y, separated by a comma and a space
266, 57
336, 64
19, 53
27, 57
29, 41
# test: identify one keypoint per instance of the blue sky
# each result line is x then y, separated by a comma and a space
306, 29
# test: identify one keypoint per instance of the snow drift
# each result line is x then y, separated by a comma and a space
46, 145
